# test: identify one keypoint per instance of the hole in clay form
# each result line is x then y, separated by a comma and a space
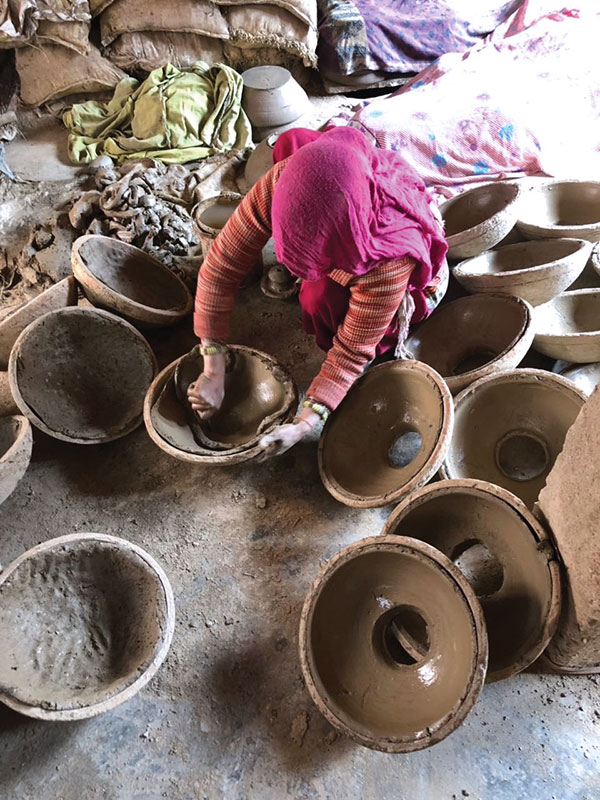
480, 567
521, 456
404, 635
405, 449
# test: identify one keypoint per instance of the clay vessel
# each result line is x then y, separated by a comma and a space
260, 161
480, 218
561, 209
585, 376
16, 443
388, 436
129, 282
62, 294
535, 271
393, 645
509, 428
259, 395
211, 216
503, 552
81, 375
87, 620
474, 336
272, 97
568, 327
8, 407
279, 284
590, 277
595, 260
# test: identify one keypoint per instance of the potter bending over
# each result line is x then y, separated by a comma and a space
355, 224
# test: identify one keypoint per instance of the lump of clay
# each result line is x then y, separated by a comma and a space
87, 619
568, 327
561, 209
16, 444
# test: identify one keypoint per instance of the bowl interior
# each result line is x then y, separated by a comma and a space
520, 257
569, 314
476, 206
216, 215
568, 204
9, 432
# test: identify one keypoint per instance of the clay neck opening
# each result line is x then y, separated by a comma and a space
522, 456
474, 359
480, 567
404, 449
401, 635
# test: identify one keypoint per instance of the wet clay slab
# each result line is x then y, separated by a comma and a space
388, 436
16, 443
392, 644
561, 209
81, 375
568, 327
503, 552
86, 619
474, 336
570, 503
509, 429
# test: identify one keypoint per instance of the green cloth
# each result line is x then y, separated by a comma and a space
173, 116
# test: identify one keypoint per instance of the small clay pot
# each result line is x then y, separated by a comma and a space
535, 271
87, 619
560, 209
393, 645
585, 376
212, 215
279, 284
568, 327
509, 429
61, 295
129, 282
475, 336
260, 161
503, 552
388, 436
272, 97
259, 395
81, 375
16, 443
480, 218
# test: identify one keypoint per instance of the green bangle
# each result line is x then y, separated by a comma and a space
213, 349
318, 408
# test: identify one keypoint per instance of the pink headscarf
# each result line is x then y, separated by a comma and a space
341, 203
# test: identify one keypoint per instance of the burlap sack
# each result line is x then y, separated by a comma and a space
74, 35
269, 26
305, 10
17, 22
144, 51
98, 6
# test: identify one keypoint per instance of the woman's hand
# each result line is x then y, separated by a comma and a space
286, 436
206, 394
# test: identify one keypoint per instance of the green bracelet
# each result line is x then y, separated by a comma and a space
318, 408
213, 350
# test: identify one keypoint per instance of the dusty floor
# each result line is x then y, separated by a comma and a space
228, 716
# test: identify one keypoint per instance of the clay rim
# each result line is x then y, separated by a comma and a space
550, 187
23, 433
157, 386
161, 648
595, 258
426, 472
143, 313
231, 197
554, 337
69, 283
484, 488
482, 227
30, 414
480, 657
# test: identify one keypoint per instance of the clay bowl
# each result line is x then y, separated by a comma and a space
16, 443
129, 282
590, 276
480, 218
259, 395
534, 271
212, 215
502, 551
278, 283
568, 327
561, 209
388, 436
87, 620
393, 646
474, 336
585, 376
272, 97
260, 161
62, 294
81, 375
509, 429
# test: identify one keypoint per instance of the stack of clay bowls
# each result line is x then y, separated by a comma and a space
568, 327
559, 209
272, 99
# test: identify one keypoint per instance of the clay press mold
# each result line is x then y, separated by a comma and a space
124, 279
509, 429
16, 443
81, 375
393, 645
561, 209
87, 619
568, 327
278, 283
503, 552
474, 336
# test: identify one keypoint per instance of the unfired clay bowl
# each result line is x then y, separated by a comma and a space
590, 277
129, 282
388, 436
62, 294
568, 327
585, 376
87, 620
260, 161
561, 209
534, 271
81, 375
212, 215
504, 553
480, 218
393, 646
509, 429
272, 97
259, 395
16, 443
474, 336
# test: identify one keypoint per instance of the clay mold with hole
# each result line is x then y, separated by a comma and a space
560, 209
81, 375
388, 436
474, 336
503, 552
16, 443
393, 645
568, 327
121, 278
278, 283
509, 429
87, 619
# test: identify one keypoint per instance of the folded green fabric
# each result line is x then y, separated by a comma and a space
173, 116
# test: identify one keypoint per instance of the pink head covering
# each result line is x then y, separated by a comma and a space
341, 203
